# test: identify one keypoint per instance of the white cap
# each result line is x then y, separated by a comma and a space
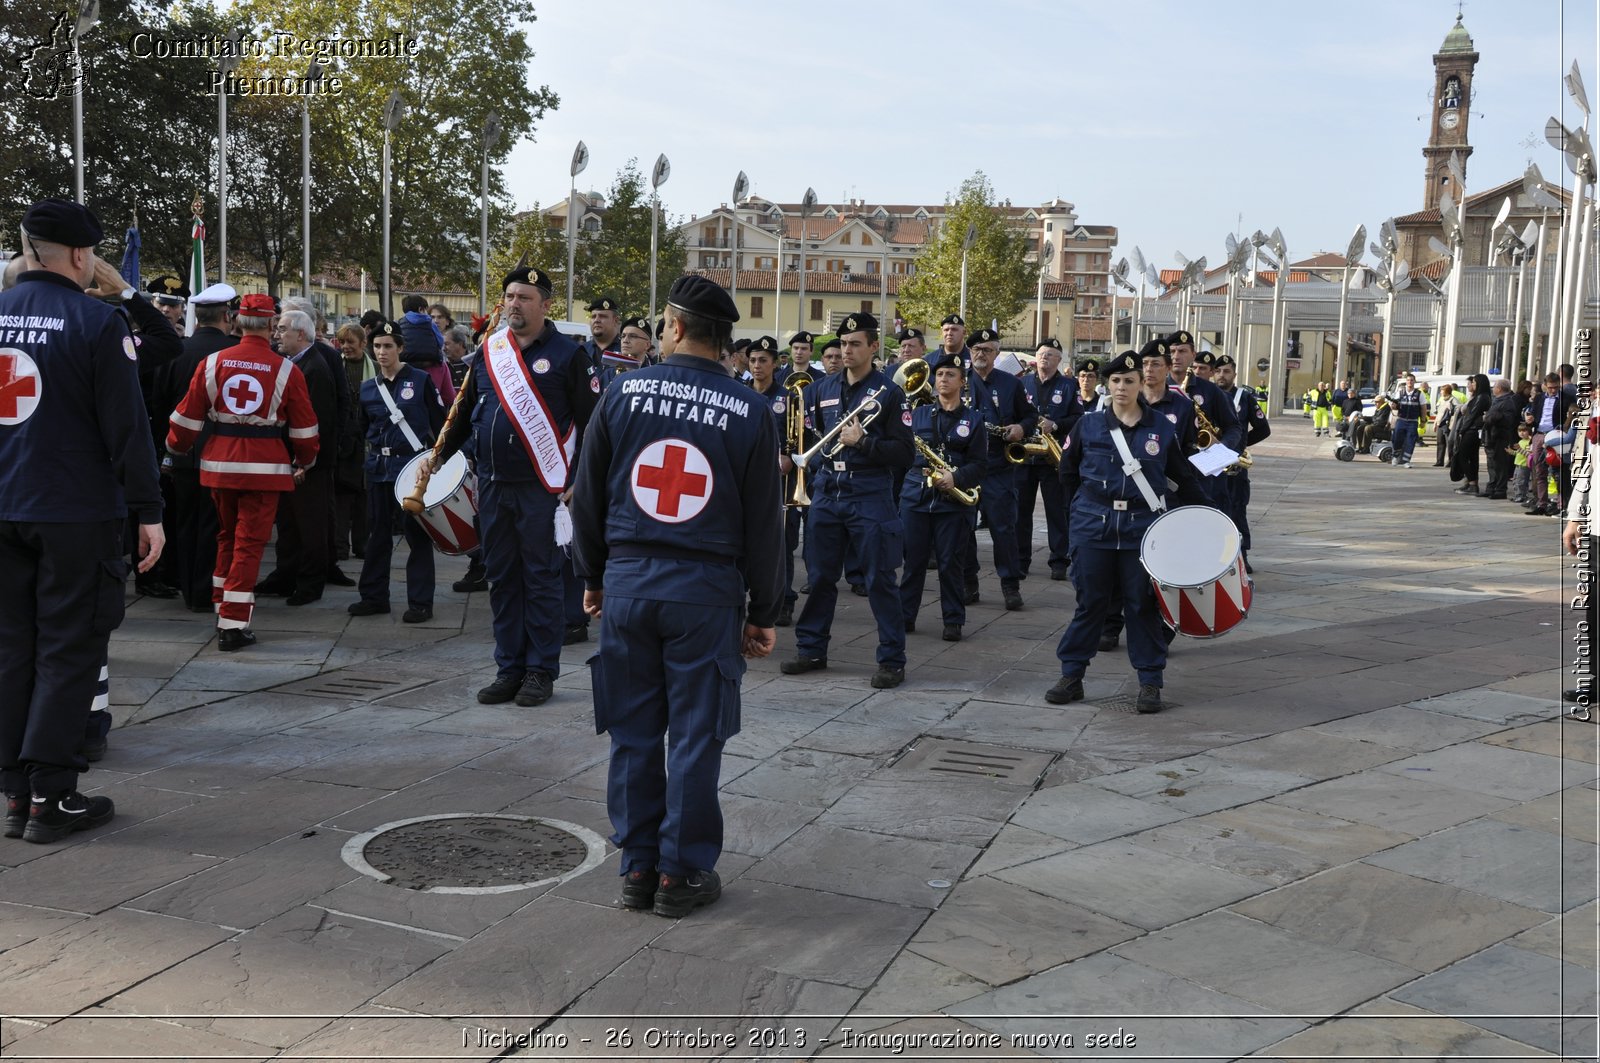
217, 293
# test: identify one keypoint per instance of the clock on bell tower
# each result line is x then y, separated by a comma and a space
1452, 101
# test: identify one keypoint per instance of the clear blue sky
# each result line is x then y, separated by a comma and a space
1167, 119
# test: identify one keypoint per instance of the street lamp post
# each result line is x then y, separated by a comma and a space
394, 112
226, 65
580, 159
966, 245
1276, 356
1533, 187
1352, 257
313, 75
807, 203
658, 177
88, 15
491, 137
1045, 255
741, 188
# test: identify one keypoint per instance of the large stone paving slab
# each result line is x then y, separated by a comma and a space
92, 878
805, 933
1274, 843
1096, 994
1414, 806
1565, 737
969, 811
1424, 925
803, 776
1496, 770
999, 933
102, 1034
1082, 813
1132, 884
1515, 993
1492, 706
1308, 752
1573, 813
394, 762
1407, 727
1387, 1029
1531, 868
1265, 965
254, 815
914, 985
1569, 937
862, 864
1201, 784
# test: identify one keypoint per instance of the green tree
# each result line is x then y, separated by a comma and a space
526, 238
615, 261
1000, 280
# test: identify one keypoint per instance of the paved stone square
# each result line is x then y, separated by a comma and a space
1362, 828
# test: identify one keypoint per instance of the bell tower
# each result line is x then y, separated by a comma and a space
1452, 108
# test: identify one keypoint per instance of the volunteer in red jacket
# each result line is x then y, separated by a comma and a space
248, 393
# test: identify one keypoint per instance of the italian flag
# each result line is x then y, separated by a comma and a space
197, 273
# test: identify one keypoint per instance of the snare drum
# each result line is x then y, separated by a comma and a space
449, 505
1197, 568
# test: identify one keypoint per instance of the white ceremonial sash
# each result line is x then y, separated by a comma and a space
522, 402
1135, 471
396, 417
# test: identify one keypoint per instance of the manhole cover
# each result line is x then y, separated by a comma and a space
474, 853
353, 686
952, 759
1117, 703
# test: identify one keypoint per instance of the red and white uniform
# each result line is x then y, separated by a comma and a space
253, 398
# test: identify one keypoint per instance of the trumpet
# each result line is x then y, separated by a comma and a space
933, 465
829, 446
912, 378
794, 433
1038, 445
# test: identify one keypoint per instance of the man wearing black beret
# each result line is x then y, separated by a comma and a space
1209, 398
530, 394
605, 328
677, 533
76, 459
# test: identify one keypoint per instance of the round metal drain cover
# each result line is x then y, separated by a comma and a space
474, 853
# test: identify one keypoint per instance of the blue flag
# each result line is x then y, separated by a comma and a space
130, 257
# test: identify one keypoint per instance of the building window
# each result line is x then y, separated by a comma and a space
816, 310
872, 266
866, 306
866, 240
844, 238
758, 306
811, 264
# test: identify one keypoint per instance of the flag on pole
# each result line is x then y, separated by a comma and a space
197, 265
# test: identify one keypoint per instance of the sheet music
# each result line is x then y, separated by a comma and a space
1213, 459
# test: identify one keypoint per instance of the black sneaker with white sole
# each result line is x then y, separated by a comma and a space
52, 818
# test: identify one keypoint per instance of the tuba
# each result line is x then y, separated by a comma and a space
934, 465
912, 377
794, 437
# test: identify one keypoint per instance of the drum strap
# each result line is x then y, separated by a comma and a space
1135, 472
398, 418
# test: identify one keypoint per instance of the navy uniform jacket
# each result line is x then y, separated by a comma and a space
564, 378
75, 442
1057, 399
959, 437
887, 446
1001, 400
1218, 407
680, 470
596, 353
1178, 409
418, 401
1107, 508
777, 399
1251, 415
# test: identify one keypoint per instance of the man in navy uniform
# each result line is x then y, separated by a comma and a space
1002, 403
76, 459
799, 357
1208, 397
1115, 471
530, 393
1256, 428
677, 528
1055, 399
605, 330
763, 362
401, 412
937, 524
853, 512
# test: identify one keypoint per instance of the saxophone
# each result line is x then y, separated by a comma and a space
934, 465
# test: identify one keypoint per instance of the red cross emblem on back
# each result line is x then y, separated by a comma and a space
672, 480
242, 394
19, 386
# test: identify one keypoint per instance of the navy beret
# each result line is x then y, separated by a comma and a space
61, 221
640, 323
1225, 359
1051, 342
1089, 365
861, 322
702, 297
954, 319
984, 335
1206, 358
946, 360
603, 304
167, 286
909, 334
1180, 338
831, 344
801, 337
1156, 349
766, 344
384, 328
1126, 362
528, 275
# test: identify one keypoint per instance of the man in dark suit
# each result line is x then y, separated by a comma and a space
1500, 432
306, 514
